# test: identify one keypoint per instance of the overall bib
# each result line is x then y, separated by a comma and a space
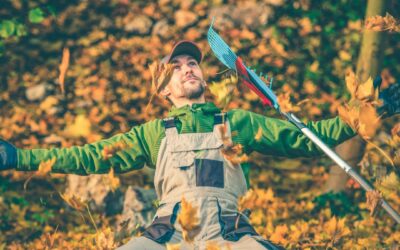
192, 166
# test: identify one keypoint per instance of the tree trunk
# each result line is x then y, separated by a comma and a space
369, 64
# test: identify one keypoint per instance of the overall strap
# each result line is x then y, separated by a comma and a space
219, 118
169, 124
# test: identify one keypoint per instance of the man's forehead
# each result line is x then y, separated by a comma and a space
182, 58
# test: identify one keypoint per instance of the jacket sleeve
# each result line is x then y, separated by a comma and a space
88, 159
281, 138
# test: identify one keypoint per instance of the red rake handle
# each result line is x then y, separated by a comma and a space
241, 69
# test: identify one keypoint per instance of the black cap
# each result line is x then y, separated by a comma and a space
184, 47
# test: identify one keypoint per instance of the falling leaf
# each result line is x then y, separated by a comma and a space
113, 181
110, 150
258, 136
212, 245
63, 69
223, 90
43, 169
366, 91
351, 82
46, 166
285, 103
374, 198
80, 127
176, 246
161, 75
189, 220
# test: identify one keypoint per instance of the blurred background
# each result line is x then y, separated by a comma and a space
306, 45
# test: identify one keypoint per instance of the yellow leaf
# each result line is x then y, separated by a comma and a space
344, 55
73, 201
45, 166
114, 181
48, 103
223, 90
351, 82
366, 90
336, 229
285, 103
212, 245
279, 235
189, 220
176, 246
258, 136
80, 127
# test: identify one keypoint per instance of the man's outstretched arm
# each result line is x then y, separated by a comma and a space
281, 138
133, 153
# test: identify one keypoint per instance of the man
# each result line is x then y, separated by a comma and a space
186, 150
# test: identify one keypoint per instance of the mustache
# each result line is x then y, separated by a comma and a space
191, 77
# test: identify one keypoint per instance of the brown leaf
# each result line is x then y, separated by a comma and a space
374, 198
380, 23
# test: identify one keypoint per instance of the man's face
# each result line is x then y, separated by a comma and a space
187, 79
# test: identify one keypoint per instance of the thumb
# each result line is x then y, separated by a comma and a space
377, 82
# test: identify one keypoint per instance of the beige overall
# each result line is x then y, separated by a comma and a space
192, 166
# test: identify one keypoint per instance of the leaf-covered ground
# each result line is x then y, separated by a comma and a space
99, 86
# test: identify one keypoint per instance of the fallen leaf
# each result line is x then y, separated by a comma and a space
73, 201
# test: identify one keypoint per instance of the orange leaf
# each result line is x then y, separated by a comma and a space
189, 220
285, 103
63, 68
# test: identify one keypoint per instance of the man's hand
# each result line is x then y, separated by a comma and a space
8, 155
390, 98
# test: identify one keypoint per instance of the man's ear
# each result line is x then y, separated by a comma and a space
165, 92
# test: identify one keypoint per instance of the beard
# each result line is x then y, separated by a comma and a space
194, 90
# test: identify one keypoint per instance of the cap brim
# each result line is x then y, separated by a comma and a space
185, 48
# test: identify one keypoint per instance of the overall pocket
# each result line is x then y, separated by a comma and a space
162, 228
235, 226
209, 173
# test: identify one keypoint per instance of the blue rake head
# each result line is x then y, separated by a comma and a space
221, 50
224, 53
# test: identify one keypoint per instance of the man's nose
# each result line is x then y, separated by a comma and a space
187, 69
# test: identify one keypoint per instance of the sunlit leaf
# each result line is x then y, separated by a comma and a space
63, 69
188, 218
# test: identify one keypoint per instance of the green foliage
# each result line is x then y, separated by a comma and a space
36, 15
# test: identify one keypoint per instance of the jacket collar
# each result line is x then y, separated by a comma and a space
207, 107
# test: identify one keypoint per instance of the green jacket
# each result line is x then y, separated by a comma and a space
279, 138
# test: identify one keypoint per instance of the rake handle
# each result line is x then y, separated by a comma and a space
339, 161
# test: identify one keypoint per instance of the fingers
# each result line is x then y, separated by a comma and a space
377, 82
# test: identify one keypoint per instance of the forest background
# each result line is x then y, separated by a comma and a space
73, 72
